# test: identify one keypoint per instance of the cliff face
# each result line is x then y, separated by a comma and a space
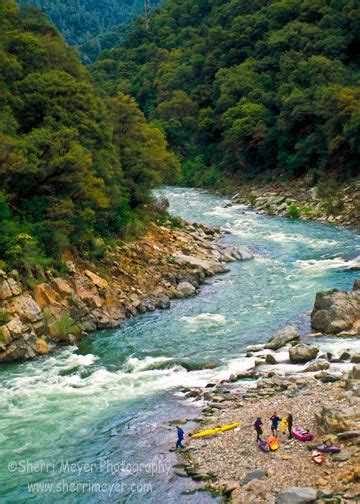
131, 279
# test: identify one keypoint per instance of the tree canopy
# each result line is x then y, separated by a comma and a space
91, 25
74, 165
247, 88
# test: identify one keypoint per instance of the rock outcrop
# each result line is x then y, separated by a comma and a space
337, 312
132, 278
333, 420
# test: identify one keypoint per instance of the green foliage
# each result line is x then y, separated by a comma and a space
249, 89
91, 25
4, 317
293, 212
169, 220
252, 199
2, 336
65, 326
74, 164
332, 201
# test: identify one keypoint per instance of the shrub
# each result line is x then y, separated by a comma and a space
293, 212
65, 325
4, 317
252, 199
2, 337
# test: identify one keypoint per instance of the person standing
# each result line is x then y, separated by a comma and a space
275, 419
180, 438
257, 424
290, 424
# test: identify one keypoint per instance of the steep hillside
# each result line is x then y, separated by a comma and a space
251, 89
92, 25
76, 168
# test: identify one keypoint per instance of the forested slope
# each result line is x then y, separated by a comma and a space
248, 88
91, 25
75, 168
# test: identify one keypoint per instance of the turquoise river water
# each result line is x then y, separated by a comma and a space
91, 424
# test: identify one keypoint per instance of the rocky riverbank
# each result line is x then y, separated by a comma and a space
321, 391
132, 278
299, 200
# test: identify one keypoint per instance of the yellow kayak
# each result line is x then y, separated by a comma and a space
216, 430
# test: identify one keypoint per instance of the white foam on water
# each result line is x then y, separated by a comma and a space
208, 319
320, 265
299, 238
133, 364
222, 211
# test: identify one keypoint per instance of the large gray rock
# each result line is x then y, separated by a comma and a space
283, 337
296, 495
257, 474
335, 312
317, 365
209, 267
353, 381
302, 353
185, 289
327, 377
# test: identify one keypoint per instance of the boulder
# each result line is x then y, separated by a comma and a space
15, 326
27, 308
345, 356
334, 420
335, 312
296, 495
14, 286
317, 365
283, 337
326, 377
230, 487
42, 346
96, 280
258, 474
185, 289
62, 287
270, 359
355, 373
356, 285
353, 381
302, 353
355, 358
5, 291
209, 267
45, 295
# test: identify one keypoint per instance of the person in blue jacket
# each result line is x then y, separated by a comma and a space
180, 438
274, 424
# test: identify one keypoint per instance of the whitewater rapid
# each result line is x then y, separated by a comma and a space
114, 395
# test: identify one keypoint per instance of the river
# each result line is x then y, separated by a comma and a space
79, 422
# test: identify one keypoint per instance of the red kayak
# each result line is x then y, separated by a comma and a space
302, 434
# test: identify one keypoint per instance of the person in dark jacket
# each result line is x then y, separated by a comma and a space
274, 424
180, 438
290, 424
257, 424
